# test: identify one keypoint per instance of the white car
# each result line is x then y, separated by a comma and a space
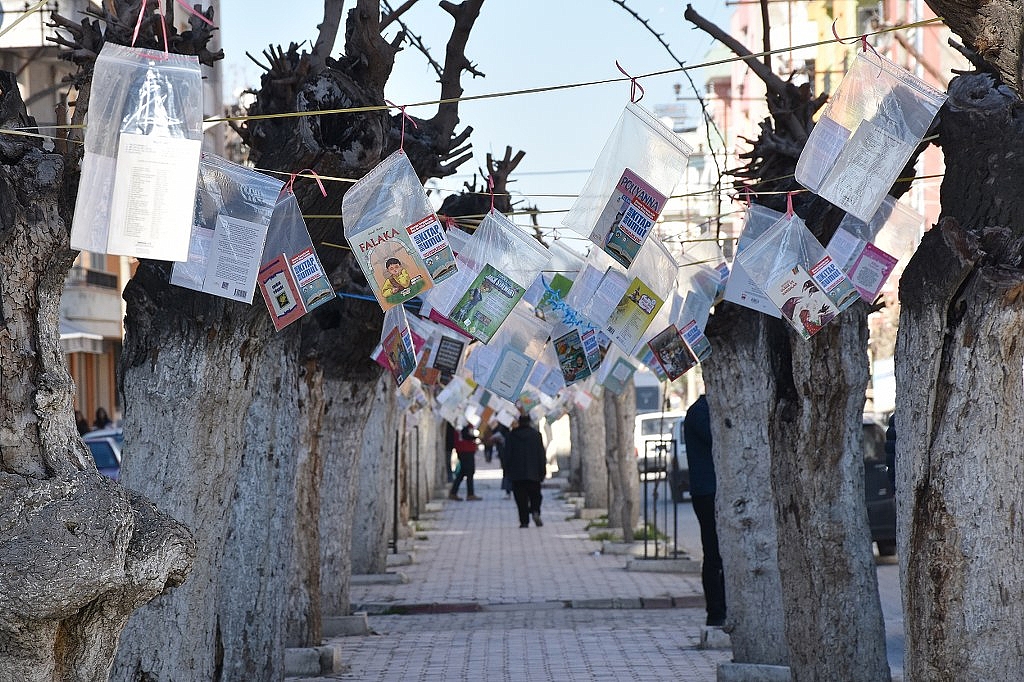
654, 442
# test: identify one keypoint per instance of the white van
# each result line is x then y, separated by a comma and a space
654, 442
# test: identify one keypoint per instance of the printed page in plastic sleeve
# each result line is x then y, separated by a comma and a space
432, 243
489, 300
510, 374
621, 372
607, 295
234, 258
870, 271
633, 315
91, 224
154, 196
742, 290
695, 339
628, 218
845, 248
866, 169
820, 153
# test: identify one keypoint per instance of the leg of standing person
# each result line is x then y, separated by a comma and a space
469, 468
535, 500
454, 493
521, 493
712, 575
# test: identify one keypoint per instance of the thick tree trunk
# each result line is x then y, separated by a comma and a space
741, 394
587, 435
78, 552
958, 378
376, 438
834, 623
619, 418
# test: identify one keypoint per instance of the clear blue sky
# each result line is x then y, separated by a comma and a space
517, 44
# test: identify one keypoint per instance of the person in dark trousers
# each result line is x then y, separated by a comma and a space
525, 463
465, 448
697, 436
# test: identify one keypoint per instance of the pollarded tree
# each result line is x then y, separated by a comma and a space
793, 409
958, 375
251, 435
78, 552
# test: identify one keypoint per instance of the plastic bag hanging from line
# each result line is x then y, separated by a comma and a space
549, 291
640, 165
511, 260
797, 274
398, 350
519, 344
866, 134
862, 249
233, 209
616, 371
291, 277
142, 144
740, 288
394, 234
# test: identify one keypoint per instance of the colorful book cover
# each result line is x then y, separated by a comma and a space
432, 244
633, 315
392, 265
695, 339
280, 292
399, 354
870, 271
572, 358
592, 347
802, 301
619, 376
672, 353
447, 357
831, 278
314, 287
555, 290
646, 356
489, 300
628, 217
510, 373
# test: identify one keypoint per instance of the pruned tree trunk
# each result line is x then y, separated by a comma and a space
372, 524
624, 505
78, 552
587, 434
741, 405
958, 394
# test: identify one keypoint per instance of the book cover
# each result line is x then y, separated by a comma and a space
314, 287
486, 304
672, 353
392, 265
447, 357
572, 358
432, 243
510, 373
399, 354
280, 292
869, 272
628, 217
633, 315
801, 301
619, 376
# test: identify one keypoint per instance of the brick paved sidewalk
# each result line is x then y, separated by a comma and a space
489, 600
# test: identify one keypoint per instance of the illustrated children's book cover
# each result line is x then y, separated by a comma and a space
399, 353
486, 304
432, 243
672, 352
628, 217
806, 303
572, 358
392, 265
633, 315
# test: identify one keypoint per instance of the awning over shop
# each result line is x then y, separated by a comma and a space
77, 338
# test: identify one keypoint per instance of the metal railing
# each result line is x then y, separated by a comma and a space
657, 461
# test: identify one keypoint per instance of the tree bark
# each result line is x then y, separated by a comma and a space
958, 359
741, 405
587, 434
78, 552
619, 417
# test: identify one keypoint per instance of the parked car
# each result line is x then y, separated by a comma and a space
653, 442
105, 446
879, 489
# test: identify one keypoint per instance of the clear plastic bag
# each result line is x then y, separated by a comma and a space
233, 209
862, 249
509, 259
616, 371
640, 165
397, 348
739, 288
142, 144
395, 236
519, 344
291, 276
866, 134
797, 274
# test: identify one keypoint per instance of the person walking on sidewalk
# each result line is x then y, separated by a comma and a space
525, 463
703, 484
465, 448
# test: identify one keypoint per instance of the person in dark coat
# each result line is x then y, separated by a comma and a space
703, 484
525, 462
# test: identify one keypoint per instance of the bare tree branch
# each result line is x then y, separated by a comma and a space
416, 40
394, 14
328, 31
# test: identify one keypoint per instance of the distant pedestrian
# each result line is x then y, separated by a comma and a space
525, 464
81, 423
465, 448
703, 484
102, 419
450, 433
